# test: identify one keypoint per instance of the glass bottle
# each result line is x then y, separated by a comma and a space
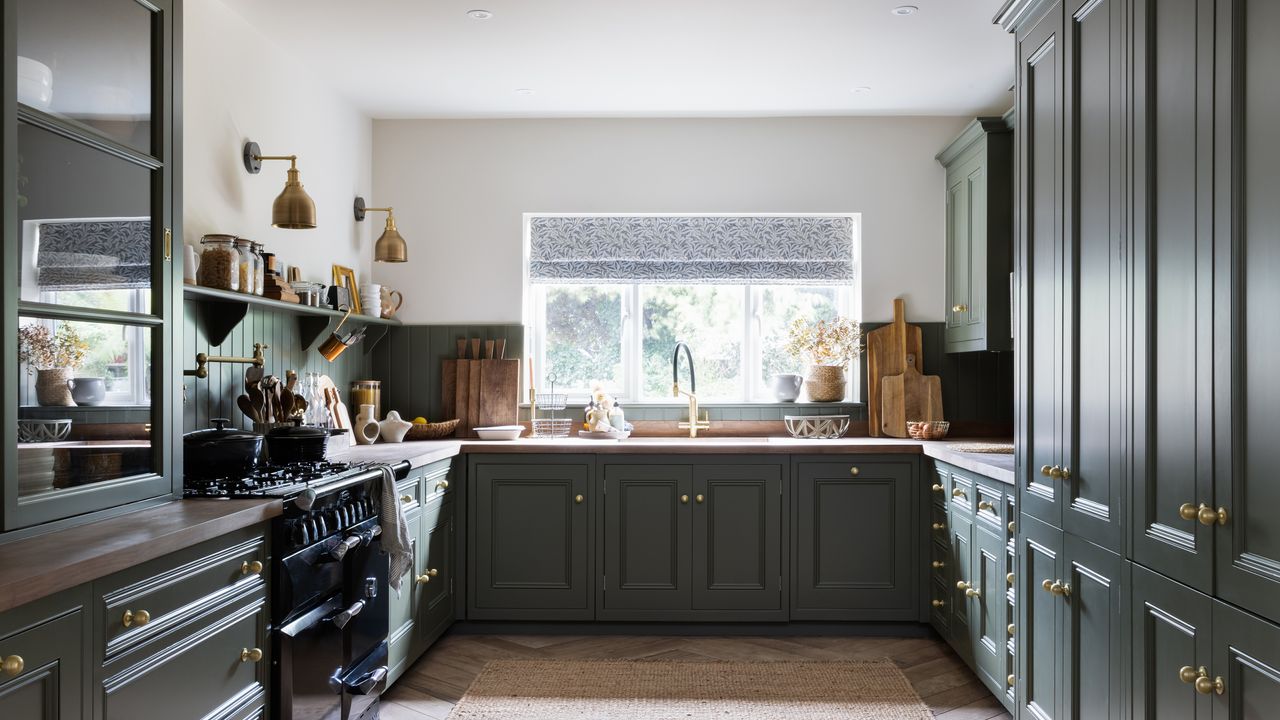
260, 268
219, 263
244, 266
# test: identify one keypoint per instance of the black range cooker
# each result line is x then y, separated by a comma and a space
329, 584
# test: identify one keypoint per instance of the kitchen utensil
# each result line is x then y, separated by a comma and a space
335, 344
220, 451
88, 390
295, 442
431, 431
288, 400
31, 430
253, 388
909, 396
786, 386
887, 350
246, 406
817, 427
500, 432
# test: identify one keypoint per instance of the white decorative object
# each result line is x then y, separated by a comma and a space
366, 427
39, 431
35, 83
613, 435
786, 387
393, 429
500, 432
817, 427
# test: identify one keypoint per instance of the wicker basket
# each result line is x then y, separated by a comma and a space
928, 429
431, 431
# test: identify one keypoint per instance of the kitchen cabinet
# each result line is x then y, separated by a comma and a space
43, 666
854, 544
692, 540
1040, 637
979, 165
111, 280
528, 551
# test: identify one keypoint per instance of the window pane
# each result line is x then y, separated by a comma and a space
84, 218
88, 60
81, 417
779, 306
706, 317
583, 338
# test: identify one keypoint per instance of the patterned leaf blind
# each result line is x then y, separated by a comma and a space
96, 255
720, 249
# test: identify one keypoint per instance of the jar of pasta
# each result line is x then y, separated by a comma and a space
219, 263
244, 266
260, 269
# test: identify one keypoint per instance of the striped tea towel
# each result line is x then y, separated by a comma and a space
395, 530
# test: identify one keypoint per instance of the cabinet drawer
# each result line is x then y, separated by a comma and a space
961, 495
940, 607
989, 506
409, 493
50, 681
939, 485
940, 563
145, 601
203, 669
436, 482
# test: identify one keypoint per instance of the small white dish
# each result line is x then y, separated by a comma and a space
616, 435
500, 432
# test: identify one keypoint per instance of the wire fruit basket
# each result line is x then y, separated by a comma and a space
552, 402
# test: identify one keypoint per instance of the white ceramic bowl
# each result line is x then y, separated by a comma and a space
39, 431
500, 432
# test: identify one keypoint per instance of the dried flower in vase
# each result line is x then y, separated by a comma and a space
825, 342
43, 349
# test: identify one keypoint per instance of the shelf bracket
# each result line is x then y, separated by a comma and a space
312, 328
220, 317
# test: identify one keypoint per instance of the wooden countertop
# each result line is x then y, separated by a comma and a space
42, 565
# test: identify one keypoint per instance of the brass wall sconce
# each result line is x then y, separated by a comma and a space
390, 246
293, 209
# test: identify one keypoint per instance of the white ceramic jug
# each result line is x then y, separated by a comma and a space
366, 428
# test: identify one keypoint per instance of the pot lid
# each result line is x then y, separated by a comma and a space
298, 431
221, 433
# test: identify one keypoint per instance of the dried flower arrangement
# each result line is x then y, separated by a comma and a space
825, 342
42, 349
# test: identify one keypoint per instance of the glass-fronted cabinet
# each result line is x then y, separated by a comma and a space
89, 162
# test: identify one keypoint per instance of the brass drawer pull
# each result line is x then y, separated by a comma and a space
442, 485
973, 593
423, 579
1009, 578
958, 493
1013, 526
139, 618
938, 488
984, 505
937, 564
939, 526
406, 499
578, 499
250, 655
962, 585
854, 471
1010, 680
1010, 629
1200, 679
1056, 587
1188, 674
938, 603
959, 308
251, 567
1205, 514
12, 665
699, 499
684, 499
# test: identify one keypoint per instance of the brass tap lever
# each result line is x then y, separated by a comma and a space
203, 360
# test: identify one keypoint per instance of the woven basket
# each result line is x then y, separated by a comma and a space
431, 431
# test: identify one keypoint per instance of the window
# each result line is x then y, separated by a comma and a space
603, 324
119, 354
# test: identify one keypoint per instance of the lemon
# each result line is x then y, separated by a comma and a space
419, 420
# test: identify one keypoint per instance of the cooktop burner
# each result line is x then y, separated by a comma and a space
271, 480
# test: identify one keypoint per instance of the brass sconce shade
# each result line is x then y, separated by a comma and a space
293, 209
390, 247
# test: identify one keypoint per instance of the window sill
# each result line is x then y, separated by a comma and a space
715, 404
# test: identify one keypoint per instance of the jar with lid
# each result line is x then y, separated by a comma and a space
219, 263
260, 268
244, 266
367, 392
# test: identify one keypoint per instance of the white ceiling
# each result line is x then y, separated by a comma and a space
584, 58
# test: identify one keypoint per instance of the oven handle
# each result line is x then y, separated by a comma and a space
370, 683
344, 617
313, 617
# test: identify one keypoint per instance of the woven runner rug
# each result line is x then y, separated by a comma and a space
679, 690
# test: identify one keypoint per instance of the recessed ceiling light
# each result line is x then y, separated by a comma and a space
861, 90
479, 14
524, 91
905, 10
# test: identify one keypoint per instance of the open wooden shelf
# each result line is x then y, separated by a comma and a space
222, 310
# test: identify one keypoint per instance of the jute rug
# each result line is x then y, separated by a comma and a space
677, 690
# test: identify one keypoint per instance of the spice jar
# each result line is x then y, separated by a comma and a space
260, 269
244, 266
219, 263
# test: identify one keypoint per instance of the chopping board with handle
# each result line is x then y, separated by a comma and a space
887, 350
499, 392
449, 385
909, 396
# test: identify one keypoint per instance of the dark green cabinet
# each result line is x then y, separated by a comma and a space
985, 602
435, 580
1246, 665
1171, 629
691, 541
979, 166
854, 546
1095, 616
1040, 636
529, 553
43, 651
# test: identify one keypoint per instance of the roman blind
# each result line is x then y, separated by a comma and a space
719, 249
96, 255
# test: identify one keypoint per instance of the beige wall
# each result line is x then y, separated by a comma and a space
239, 84
461, 187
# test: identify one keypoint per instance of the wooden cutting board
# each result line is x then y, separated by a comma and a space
887, 350
499, 392
909, 396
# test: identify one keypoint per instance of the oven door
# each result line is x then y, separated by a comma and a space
367, 584
362, 686
310, 665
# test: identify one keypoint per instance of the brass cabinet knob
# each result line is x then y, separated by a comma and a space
962, 585
251, 567
442, 485
1065, 590
936, 564
939, 526
937, 487
1055, 472
1056, 587
250, 655
1187, 511
854, 471
699, 498
1046, 470
1208, 516
938, 603
1188, 675
984, 505
1010, 628
433, 572
12, 665
1065, 473
131, 618
1013, 526
684, 499
959, 308
578, 499
406, 499
1202, 683
973, 593
1009, 578
958, 493
1010, 680
1048, 584
423, 579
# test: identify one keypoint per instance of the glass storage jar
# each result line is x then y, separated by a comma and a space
244, 267
219, 263
260, 268
367, 392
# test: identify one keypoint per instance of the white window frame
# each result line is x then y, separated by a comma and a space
755, 390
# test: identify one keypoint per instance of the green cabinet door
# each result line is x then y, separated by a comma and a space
987, 610
1040, 639
401, 605
435, 591
1095, 619
855, 547
1173, 338
737, 537
1171, 629
961, 214
44, 672
1246, 658
1247, 391
528, 550
960, 534
646, 525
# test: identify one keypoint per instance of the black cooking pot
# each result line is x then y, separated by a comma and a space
297, 443
220, 451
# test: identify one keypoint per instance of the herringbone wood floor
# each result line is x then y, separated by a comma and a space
428, 690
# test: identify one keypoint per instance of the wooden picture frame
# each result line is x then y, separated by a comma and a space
346, 277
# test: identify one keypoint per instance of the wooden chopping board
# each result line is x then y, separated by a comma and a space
499, 392
909, 396
887, 350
